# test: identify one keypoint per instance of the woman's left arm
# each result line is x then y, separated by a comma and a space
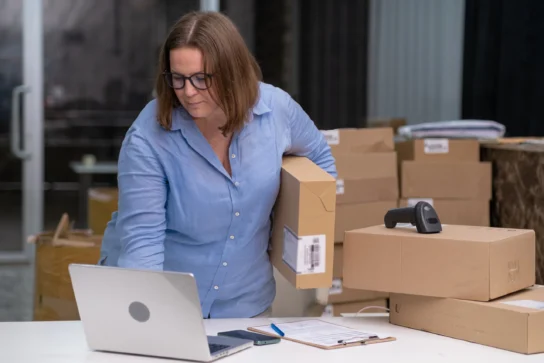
304, 137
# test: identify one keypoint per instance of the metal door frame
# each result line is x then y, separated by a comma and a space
28, 145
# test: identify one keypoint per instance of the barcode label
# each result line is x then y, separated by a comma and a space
304, 254
339, 186
436, 146
331, 136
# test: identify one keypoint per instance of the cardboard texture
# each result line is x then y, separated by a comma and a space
55, 250
303, 224
346, 308
366, 177
439, 150
517, 326
464, 262
380, 165
341, 294
465, 212
362, 140
355, 216
362, 190
102, 202
447, 180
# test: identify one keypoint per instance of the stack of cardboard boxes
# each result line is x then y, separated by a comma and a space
448, 174
366, 188
466, 282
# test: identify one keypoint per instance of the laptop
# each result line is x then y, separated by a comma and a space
144, 312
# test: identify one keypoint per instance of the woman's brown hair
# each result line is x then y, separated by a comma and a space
236, 74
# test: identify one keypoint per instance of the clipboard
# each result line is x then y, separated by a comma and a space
321, 334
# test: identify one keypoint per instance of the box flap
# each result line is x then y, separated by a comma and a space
325, 192
64, 235
304, 170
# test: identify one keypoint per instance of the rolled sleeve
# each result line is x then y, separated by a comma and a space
141, 220
305, 139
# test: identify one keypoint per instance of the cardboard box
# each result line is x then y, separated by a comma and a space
464, 262
338, 266
366, 177
467, 212
514, 323
102, 202
394, 122
357, 141
380, 165
303, 226
439, 150
355, 216
55, 250
371, 306
447, 180
340, 294
350, 191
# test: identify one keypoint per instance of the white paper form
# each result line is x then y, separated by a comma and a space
321, 333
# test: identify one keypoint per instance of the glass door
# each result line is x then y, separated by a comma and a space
21, 127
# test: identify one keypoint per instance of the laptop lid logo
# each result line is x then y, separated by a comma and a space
139, 311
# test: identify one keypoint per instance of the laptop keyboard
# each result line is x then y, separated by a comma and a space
216, 347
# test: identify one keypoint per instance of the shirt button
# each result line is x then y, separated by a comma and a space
237, 214
236, 183
231, 237
225, 264
216, 287
233, 156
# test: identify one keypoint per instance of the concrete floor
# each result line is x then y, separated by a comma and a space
16, 293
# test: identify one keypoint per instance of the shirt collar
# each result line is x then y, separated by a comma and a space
260, 107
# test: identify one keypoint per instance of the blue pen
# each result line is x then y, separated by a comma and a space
277, 330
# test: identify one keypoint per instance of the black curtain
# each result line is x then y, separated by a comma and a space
333, 61
503, 70
270, 28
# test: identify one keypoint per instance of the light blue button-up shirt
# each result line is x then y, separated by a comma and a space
179, 210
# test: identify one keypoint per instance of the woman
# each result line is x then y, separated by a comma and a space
199, 170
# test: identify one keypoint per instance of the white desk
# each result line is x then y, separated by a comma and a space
64, 342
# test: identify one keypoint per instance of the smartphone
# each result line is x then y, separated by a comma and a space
258, 339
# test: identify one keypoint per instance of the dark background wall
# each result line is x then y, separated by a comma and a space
100, 61
503, 76
333, 61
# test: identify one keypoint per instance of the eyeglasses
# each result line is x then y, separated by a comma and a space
201, 81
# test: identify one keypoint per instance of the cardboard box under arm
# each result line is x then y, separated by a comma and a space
302, 246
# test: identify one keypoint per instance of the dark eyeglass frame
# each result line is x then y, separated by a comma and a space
168, 76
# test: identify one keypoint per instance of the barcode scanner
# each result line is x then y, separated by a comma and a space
422, 215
